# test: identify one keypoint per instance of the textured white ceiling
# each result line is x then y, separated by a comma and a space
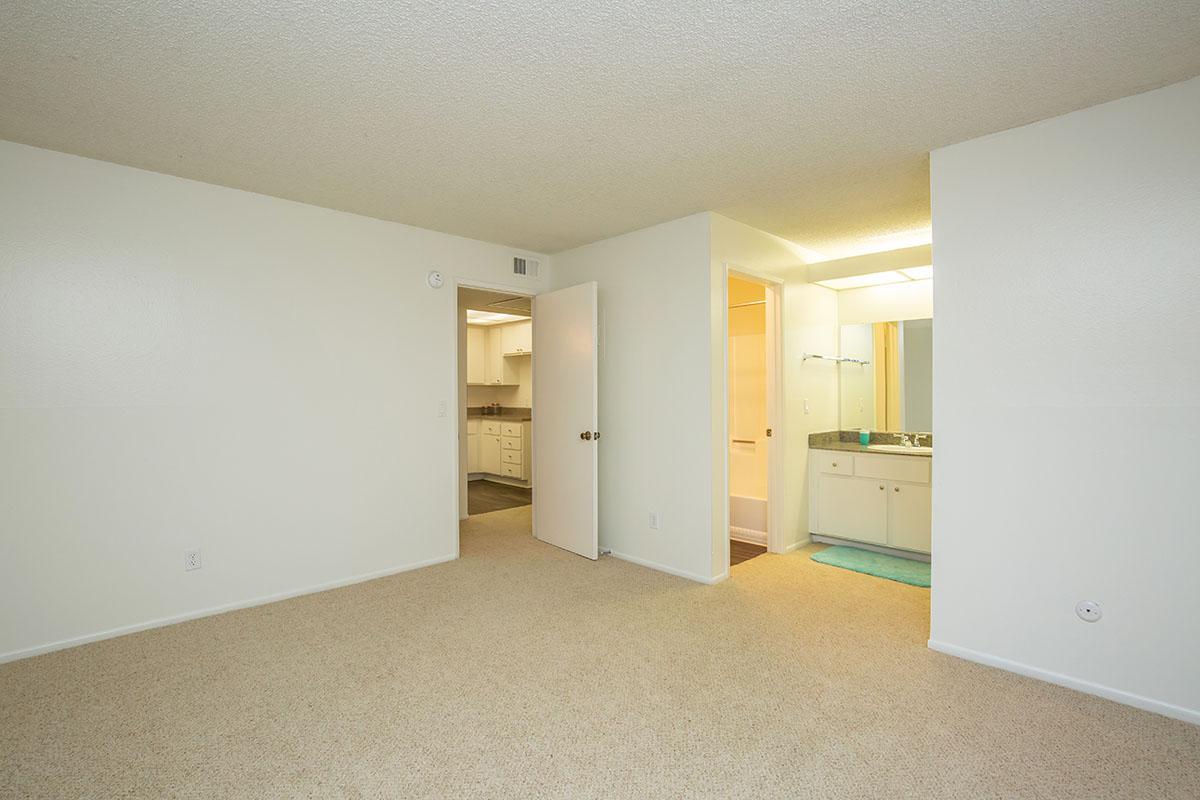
545, 125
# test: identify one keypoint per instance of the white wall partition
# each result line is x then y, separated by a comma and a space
655, 378
189, 366
1066, 395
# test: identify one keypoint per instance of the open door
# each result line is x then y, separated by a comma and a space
565, 433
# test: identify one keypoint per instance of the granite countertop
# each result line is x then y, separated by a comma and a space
847, 441
505, 415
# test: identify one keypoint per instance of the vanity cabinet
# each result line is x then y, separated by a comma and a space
852, 508
864, 497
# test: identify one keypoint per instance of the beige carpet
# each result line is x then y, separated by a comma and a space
524, 671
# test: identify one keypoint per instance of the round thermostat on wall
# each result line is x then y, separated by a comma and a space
434, 279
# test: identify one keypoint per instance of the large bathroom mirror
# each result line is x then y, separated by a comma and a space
885, 382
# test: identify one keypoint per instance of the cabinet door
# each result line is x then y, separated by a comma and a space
472, 452
909, 517
518, 337
476, 355
852, 508
489, 453
495, 367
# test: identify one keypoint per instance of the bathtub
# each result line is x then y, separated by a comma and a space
748, 519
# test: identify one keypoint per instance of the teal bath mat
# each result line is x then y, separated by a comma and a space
904, 570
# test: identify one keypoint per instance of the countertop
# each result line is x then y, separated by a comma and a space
847, 442
505, 415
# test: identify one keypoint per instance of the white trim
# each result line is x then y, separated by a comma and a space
1057, 678
112, 633
456, 410
642, 562
797, 544
748, 535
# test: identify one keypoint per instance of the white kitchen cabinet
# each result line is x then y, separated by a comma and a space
489, 447
486, 364
476, 354
497, 370
504, 449
472, 445
873, 498
517, 338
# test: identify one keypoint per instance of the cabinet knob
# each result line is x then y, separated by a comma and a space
835, 463
881, 487
586, 436
896, 489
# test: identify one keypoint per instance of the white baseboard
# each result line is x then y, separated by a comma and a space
748, 535
75, 641
797, 545
1087, 687
641, 562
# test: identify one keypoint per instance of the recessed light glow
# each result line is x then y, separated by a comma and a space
859, 281
490, 317
918, 273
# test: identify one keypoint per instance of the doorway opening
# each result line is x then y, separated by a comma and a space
510, 367
752, 381
495, 347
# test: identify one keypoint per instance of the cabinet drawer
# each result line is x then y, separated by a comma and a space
510, 443
512, 429
511, 457
833, 462
491, 427
510, 470
914, 469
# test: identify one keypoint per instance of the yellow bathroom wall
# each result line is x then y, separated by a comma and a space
747, 390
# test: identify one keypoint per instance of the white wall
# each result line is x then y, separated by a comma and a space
655, 390
1067, 257
184, 365
887, 303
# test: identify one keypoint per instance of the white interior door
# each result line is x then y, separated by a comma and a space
565, 433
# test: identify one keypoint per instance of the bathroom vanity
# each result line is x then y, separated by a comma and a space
876, 494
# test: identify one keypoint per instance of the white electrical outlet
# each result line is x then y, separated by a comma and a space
653, 520
191, 560
1088, 611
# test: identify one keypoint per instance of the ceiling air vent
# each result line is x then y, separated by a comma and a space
525, 266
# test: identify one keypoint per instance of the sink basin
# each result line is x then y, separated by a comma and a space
900, 448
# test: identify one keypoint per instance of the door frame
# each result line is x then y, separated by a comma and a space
456, 404
775, 416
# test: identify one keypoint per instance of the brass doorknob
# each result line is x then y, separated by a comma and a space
586, 436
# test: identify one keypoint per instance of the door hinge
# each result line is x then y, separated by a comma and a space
768, 432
